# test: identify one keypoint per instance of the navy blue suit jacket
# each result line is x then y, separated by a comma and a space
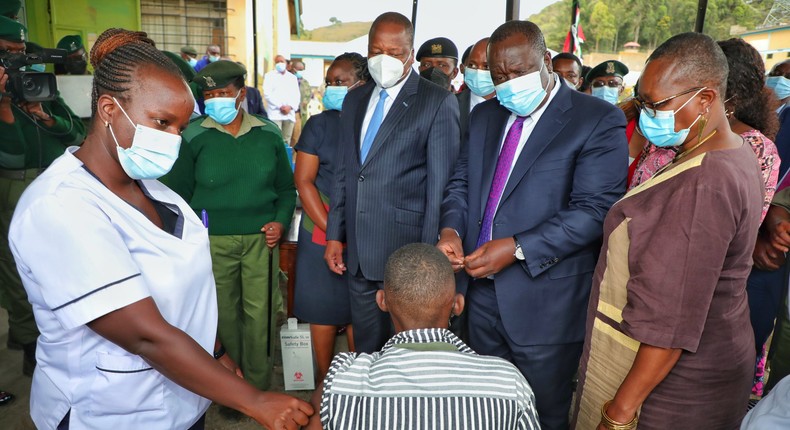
394, 198
570, 172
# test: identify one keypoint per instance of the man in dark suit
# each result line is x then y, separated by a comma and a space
479, 86
399, 140
525, 222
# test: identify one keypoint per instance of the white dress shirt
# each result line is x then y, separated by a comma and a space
281, 89
474, 100
392, 94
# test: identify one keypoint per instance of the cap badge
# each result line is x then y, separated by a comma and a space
210, 82
610, 67
436, 48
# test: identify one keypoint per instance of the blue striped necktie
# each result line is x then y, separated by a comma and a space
373, 127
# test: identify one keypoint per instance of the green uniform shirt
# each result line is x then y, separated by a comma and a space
305, 94
242, 182
25, 146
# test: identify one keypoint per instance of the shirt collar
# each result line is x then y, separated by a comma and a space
427, 335
247, 123
393, 91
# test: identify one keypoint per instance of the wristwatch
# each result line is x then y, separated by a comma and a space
519, 254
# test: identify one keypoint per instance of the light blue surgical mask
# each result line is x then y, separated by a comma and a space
522, 95
298, 74
780, 85
38, 67
479, 81
213, 58
660, 129
152, 152
334, 96
608, 94
193, 62
280, 67
223, 109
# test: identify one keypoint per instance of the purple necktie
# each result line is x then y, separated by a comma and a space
501, 174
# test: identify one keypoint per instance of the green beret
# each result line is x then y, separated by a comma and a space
183, 66
10, 8
219, 74
438, 47
607, 68
71, 43
188, 50
12, 31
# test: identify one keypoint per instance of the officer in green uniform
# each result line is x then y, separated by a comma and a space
10, 8
233, 166
606, 80
32, 135
305, 95
76, 58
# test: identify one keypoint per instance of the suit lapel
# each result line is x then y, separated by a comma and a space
400, 105
495, 132
553, 120
359, 116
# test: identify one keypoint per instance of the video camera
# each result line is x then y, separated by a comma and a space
27, 86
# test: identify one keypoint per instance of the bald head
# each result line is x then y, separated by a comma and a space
390, 19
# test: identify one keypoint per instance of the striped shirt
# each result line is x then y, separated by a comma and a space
425, 379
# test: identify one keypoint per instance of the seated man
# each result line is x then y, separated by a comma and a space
424, 376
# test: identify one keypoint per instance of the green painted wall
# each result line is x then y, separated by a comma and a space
49, 20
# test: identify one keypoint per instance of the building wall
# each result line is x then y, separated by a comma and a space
49, 20
773, 43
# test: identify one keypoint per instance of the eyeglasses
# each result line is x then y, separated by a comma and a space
650, 108
612, 83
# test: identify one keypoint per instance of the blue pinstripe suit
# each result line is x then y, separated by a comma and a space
394, 197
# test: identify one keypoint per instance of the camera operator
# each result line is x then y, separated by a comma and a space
32, 135
76, 59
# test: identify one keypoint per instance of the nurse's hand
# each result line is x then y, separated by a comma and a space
231, 365
273, 232
282, 412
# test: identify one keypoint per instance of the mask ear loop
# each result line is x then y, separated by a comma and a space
124, 112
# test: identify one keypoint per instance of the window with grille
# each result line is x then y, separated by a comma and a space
176, 23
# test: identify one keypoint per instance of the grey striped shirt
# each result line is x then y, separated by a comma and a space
426, 379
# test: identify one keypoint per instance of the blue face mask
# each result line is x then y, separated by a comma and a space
479, 81
608, 94
334, 96
223, 109
193, 62
660, 130
280, 67
780, 85
298, 74
213, 58
523, 94
151, 154
38, 67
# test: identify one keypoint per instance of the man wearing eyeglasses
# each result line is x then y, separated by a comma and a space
606, 80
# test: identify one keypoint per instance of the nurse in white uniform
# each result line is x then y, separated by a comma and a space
118, 269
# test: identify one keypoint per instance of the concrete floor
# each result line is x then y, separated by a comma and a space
16, 416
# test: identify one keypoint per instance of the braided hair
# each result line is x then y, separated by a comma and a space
116, 56
358, 63
755, 105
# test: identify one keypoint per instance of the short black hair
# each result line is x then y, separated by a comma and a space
585, 84
526, 28
755, 105
394, 18
466, 53
567, 56
416, 277
697, 57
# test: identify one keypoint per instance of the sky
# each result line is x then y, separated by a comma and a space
462, 21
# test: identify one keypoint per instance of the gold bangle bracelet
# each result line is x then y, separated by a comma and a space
611, 424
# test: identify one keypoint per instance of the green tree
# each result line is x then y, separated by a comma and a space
602, 23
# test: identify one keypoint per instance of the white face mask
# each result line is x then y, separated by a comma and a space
386, 70
152, 153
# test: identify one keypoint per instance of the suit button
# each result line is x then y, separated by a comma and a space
556, 260
361, 178
479, 223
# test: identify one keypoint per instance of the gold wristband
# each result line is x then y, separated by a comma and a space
611, 424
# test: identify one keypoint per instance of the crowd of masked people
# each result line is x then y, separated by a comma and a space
529, 252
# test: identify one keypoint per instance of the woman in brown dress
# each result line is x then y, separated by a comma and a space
668, 333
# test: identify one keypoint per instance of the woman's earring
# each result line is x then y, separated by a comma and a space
106, 124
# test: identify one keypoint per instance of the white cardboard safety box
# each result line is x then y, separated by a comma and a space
297, 356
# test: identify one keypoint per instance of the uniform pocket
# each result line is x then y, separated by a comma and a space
407, 217
125, 384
